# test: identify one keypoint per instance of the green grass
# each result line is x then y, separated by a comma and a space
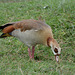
60, 15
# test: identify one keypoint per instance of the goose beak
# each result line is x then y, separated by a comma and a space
57, 57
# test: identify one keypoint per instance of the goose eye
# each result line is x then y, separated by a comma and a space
56, 50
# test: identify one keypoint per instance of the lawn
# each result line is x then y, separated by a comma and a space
60, 15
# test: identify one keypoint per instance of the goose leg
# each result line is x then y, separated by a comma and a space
33, 49
30, 53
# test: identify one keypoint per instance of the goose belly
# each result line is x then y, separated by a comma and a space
29, 37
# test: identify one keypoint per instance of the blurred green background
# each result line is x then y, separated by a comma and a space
60, 15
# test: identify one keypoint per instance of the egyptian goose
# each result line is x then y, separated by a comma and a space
32, 32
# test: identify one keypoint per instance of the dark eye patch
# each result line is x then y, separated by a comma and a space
56, 50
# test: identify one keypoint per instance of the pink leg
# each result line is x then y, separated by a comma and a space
30, 54
33, 49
